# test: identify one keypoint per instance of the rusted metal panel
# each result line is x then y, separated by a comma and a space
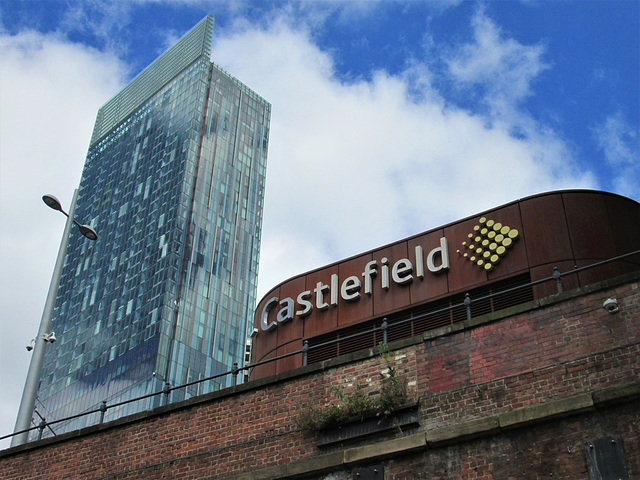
435, 285
292, 329
394, 296
545, 230
291, 362
320, 321
589, 227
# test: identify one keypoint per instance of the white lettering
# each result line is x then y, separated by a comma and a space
443, 250
320, 289
385, 273
401, 271
369, 272
286, 313
419, 262
265, 315
351, 288
334, 290
303, 300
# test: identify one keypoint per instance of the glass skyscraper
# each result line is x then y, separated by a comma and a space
173, 183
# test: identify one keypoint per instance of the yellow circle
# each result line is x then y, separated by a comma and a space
464, 244
485, 242
486, 254
493, 246
483, 231
494, 258
476, 228
458, 252
480, 262
513, 234
504, 230
497, 227
482, 220
479, 250
478, 239
465, 255
470, 235
507, 242
472, 258
501, 250
491, 234
490, 223
499, 238
488, 266
472, 247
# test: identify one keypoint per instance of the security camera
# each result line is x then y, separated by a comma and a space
611, 305
50, 337
30, 346
254, 332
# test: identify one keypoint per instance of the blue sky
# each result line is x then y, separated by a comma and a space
389, 118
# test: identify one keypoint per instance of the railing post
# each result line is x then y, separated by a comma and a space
557, 278
385, 326
305, 352
467, 303
166, 390
41, 427
103, 410
234, 373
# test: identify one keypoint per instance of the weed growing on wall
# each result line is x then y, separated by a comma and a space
357, 405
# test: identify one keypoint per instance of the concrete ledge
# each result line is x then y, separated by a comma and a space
383, 449
617, 394
468, 430
546, 411
316, 464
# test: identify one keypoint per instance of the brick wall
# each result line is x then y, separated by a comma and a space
511, 395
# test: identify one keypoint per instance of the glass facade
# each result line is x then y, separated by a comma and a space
173, 183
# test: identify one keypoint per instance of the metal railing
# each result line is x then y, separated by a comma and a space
235, 370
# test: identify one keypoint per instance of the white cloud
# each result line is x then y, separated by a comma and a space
502, 67
620, 144
50, 91
353, 166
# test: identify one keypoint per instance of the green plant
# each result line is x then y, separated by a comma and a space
358, 405
393, 392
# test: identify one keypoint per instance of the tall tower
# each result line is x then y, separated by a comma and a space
173, 183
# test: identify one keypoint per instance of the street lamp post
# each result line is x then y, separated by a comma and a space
27, 404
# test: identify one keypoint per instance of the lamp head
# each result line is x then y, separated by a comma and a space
88, 232
52, 202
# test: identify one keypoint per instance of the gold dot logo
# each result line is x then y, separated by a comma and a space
488, 243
